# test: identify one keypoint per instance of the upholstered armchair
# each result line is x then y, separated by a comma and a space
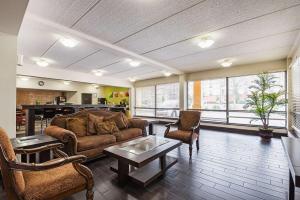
52, 180
188, 129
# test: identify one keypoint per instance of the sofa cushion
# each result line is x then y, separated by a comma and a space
118, 118
106, 127
92, 121
77, 125
94, 141
128, 134
49, 184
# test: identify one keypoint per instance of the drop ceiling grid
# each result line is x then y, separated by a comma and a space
64, 12
277, 23
206, 17
253, 57
236, 51
127, 16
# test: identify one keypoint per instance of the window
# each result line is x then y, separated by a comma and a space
145, 101
167, 99
210, 96
158, 101
238, 92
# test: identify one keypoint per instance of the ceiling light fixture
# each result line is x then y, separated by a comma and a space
167, 74
42, 62
67, 82
98, 72
205, 42
226, 63
132, 79
133, 63
24, 78
69, 42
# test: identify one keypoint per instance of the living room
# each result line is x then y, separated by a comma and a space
132, 99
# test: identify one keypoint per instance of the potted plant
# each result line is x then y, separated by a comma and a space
265, 97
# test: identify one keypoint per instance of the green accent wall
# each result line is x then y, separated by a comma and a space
115, 94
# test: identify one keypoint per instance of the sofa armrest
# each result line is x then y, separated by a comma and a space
138, 123
65, 136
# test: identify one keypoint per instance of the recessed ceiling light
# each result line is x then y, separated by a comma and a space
205, 42
167, 73
134, 63
95, 86
98, 72
69, 42
24, 78
67, 82
226, 63
132, 79
42, 63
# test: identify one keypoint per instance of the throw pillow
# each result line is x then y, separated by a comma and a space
118, 118
77, 125
126, 120
106, 127
92, 121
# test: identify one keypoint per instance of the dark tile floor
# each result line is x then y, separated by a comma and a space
227, 166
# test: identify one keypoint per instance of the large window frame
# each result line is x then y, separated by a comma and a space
156, 108
228, 111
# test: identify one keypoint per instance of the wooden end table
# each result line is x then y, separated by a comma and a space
142, 160
34, 141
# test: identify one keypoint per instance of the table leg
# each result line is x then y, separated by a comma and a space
30, 122
291, 187
150, 128
123, 171
162, 162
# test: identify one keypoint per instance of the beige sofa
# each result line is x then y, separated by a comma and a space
92, 145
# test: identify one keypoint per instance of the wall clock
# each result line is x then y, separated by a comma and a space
41, 83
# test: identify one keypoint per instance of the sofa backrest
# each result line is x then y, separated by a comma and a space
60, 121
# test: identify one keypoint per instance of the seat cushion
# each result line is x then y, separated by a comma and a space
49, 184
127, 134
94, 141
184, 136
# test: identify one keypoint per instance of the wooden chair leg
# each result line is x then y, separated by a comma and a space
90, 194
190, 149
197, 144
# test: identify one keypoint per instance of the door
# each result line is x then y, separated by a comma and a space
86, 98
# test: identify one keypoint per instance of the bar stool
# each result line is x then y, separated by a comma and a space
48, 113
68, 110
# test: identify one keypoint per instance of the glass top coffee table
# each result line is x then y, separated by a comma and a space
142, 160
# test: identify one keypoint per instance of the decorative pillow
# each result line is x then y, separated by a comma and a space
77, 125
118, 118
106, 127
92, 121
126, 120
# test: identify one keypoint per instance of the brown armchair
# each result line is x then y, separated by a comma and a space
55, 179
188, 129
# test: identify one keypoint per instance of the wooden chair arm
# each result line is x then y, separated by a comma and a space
172, 124
38, 149
47, 165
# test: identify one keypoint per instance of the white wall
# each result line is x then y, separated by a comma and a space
73, 90
8, 59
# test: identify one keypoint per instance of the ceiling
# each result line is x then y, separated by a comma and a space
161, 34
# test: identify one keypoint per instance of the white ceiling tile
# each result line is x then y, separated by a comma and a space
65, 12
206, 17
112, 20
279, 41
281, 22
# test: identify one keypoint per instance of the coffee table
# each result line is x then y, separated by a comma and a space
142, 160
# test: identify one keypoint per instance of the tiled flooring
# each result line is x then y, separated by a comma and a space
227, 166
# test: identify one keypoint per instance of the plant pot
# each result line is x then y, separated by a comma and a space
266, 134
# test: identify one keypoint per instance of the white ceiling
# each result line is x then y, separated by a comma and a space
162, 34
